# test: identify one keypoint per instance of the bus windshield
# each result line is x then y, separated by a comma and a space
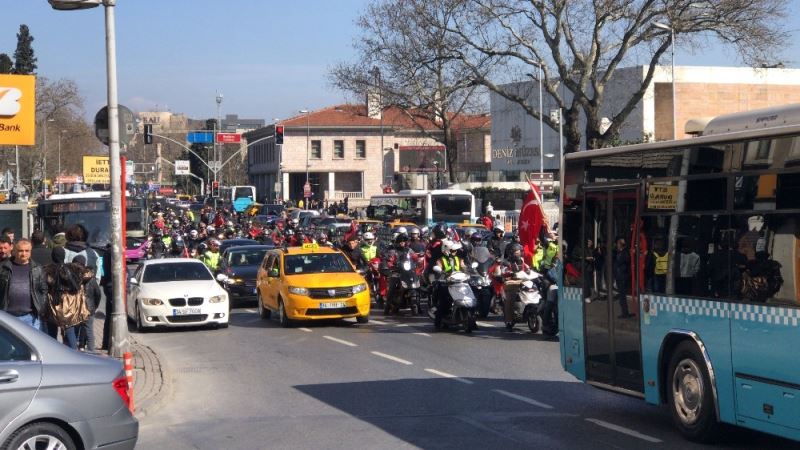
451, 208
408, 209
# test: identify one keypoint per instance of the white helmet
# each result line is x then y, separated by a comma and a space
368, 236
210, 229
402, 230
449, 246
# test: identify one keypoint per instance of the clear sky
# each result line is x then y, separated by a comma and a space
268, 58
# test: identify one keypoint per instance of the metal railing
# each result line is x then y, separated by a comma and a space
340, 195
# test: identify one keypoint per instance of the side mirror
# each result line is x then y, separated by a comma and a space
275, 273
134, 282
222, 278
437, 269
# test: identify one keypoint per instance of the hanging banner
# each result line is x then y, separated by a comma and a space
17, 110
96, 170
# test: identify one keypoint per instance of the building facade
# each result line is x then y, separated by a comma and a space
345, 152
699, 92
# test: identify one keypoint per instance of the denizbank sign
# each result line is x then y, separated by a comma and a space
515, 158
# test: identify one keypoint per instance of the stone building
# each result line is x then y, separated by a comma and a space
354, 151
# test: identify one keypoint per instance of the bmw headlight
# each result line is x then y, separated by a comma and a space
151, 301
359, 288
218, 299
298, 290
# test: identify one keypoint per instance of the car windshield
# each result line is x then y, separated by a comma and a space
316, 263
166, 272
246, 257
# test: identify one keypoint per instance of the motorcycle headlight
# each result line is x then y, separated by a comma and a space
406, 265
151, 301
415, 285
404, 284
218, 299
298, 290
236, 281
359, 288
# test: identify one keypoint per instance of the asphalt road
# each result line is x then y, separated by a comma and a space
392, 383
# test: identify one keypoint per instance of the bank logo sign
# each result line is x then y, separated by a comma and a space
17, 110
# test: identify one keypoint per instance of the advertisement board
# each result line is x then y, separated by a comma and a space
17, 110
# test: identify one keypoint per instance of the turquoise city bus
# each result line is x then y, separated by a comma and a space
687, 255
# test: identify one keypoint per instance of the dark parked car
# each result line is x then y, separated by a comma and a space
240, 265
228, 243
54, 397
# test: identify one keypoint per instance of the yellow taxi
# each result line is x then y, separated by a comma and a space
310, 283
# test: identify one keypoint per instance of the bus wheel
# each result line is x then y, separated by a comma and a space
690, 395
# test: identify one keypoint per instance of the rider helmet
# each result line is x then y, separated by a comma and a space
449, 246
439, 232
369, 237
413, 232
402, 237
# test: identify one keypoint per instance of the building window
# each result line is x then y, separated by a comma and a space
361, 149
316, 150
338, 149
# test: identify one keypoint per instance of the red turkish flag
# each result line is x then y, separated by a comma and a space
531, 219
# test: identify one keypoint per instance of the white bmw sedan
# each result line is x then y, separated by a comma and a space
176, 292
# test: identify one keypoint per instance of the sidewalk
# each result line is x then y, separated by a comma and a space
149, 375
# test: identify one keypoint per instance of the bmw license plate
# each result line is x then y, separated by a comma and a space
185, 311
332, 305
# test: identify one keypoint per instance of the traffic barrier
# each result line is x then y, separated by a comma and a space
128, 362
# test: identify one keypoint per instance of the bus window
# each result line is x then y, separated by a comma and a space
451, 208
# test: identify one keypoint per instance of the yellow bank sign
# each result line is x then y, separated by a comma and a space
96, 170
17, 110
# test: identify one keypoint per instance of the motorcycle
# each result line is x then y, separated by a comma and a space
481, 280
407, 289
378, 284
522, 300
462, 312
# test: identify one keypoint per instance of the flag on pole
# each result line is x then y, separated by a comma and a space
531, 220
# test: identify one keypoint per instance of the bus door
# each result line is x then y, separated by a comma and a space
611, 319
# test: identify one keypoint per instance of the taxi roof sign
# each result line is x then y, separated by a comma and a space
310, 246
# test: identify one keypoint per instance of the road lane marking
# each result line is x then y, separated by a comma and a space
341, 341
379, 322
251, 310
402, 325
449, 375
307, 330
624, 430
392, 358
527, 400
422, 334
486, 324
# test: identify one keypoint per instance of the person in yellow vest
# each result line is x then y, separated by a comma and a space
300, 204
211, 257
545, 255
449, 262
658, 260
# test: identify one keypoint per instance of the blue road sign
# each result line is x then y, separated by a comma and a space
200, 137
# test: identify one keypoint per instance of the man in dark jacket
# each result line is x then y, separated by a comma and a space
40, 254
622, 276
23, 289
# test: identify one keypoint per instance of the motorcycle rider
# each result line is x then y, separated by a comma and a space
449, 263
352, 251
397, 253
178, 247
211, 257
415, 242
515, 263
497, 243
156, 246
368, 248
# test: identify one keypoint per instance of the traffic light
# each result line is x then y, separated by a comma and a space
279, 134
148, 133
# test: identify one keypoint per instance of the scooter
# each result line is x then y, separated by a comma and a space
522, 299
462, 312
481, 281
407, 295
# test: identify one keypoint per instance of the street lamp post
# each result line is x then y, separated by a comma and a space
217, 150
541, 126
119, 338
672, 75
44, 160
58, 175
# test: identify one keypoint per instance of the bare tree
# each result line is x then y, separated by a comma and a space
581, 44
413, 66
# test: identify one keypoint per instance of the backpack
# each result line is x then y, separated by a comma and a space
66, 303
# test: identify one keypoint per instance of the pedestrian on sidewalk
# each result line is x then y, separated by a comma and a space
41, 253
23, 289
92, 296
6, 247
66, 300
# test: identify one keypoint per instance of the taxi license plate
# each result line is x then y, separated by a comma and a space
332, 305
185, 311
